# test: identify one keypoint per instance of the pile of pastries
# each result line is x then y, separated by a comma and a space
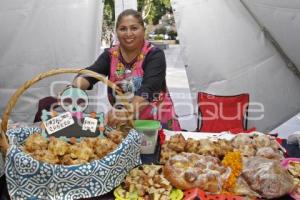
191, 163
293, 167
146, 182
57, 151
267, 177
247, 144
257, 145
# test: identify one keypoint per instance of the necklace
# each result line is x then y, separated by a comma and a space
128, 65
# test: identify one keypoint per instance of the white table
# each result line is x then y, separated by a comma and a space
289, 127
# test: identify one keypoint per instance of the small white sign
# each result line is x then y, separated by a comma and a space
58, 123
89, 124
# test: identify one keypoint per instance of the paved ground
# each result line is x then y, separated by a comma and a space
178, 85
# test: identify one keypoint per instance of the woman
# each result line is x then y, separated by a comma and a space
139, 69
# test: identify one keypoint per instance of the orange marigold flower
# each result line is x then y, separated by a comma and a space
115, 53
234, 161
141, 57
120, 66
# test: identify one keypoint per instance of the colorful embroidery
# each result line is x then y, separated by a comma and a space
161, 101
120, 69
141, 57
115, 53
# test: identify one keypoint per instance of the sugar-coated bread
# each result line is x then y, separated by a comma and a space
190, 170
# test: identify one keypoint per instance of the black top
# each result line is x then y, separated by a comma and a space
154, 66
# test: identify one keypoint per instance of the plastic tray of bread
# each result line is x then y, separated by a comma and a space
246, 164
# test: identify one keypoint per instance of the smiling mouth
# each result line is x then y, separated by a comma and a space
129, 40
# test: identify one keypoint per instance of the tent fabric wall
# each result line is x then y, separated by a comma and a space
226, 53
282, 20
39, 35
121, 5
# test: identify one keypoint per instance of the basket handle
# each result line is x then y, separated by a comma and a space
13, 99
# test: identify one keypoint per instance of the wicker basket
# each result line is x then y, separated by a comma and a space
28, 178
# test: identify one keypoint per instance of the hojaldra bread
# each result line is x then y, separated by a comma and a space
190, 170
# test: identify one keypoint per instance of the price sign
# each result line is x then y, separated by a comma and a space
89, 124
58, 123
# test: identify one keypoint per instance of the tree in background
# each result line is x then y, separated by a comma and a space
108, 22
158, 17
152, 12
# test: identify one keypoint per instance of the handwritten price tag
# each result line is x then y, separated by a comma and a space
58, 123
89, 124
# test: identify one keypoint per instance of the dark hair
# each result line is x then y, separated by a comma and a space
133, 13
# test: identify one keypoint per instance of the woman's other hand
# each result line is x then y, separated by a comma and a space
81, 82
118, 117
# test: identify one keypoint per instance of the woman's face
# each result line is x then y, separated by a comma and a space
130, 33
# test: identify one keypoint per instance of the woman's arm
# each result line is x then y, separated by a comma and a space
101, 66
154, 80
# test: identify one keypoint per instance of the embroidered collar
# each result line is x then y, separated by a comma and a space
128, 65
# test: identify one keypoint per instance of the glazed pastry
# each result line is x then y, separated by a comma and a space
269, 152
262, 141
224, 148
116, 136
57, 151
58, 147
148, 182
247, 150
82, 151
68, 160
294, 169
177, 143
103, 146
166, 153
190, 170
192, 146
46, 156
242, 140
35, 142
207, 147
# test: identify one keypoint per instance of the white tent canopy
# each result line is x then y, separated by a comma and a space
39, 35
227, 53
122, 5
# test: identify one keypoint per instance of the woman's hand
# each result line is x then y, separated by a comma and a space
118, 117
139, 104
121, 117
81, 82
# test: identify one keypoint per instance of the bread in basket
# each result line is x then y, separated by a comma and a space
28, 178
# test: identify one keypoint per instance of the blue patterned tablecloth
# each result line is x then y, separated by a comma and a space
1, 165
30, 179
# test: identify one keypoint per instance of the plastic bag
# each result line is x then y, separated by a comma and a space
267, 177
